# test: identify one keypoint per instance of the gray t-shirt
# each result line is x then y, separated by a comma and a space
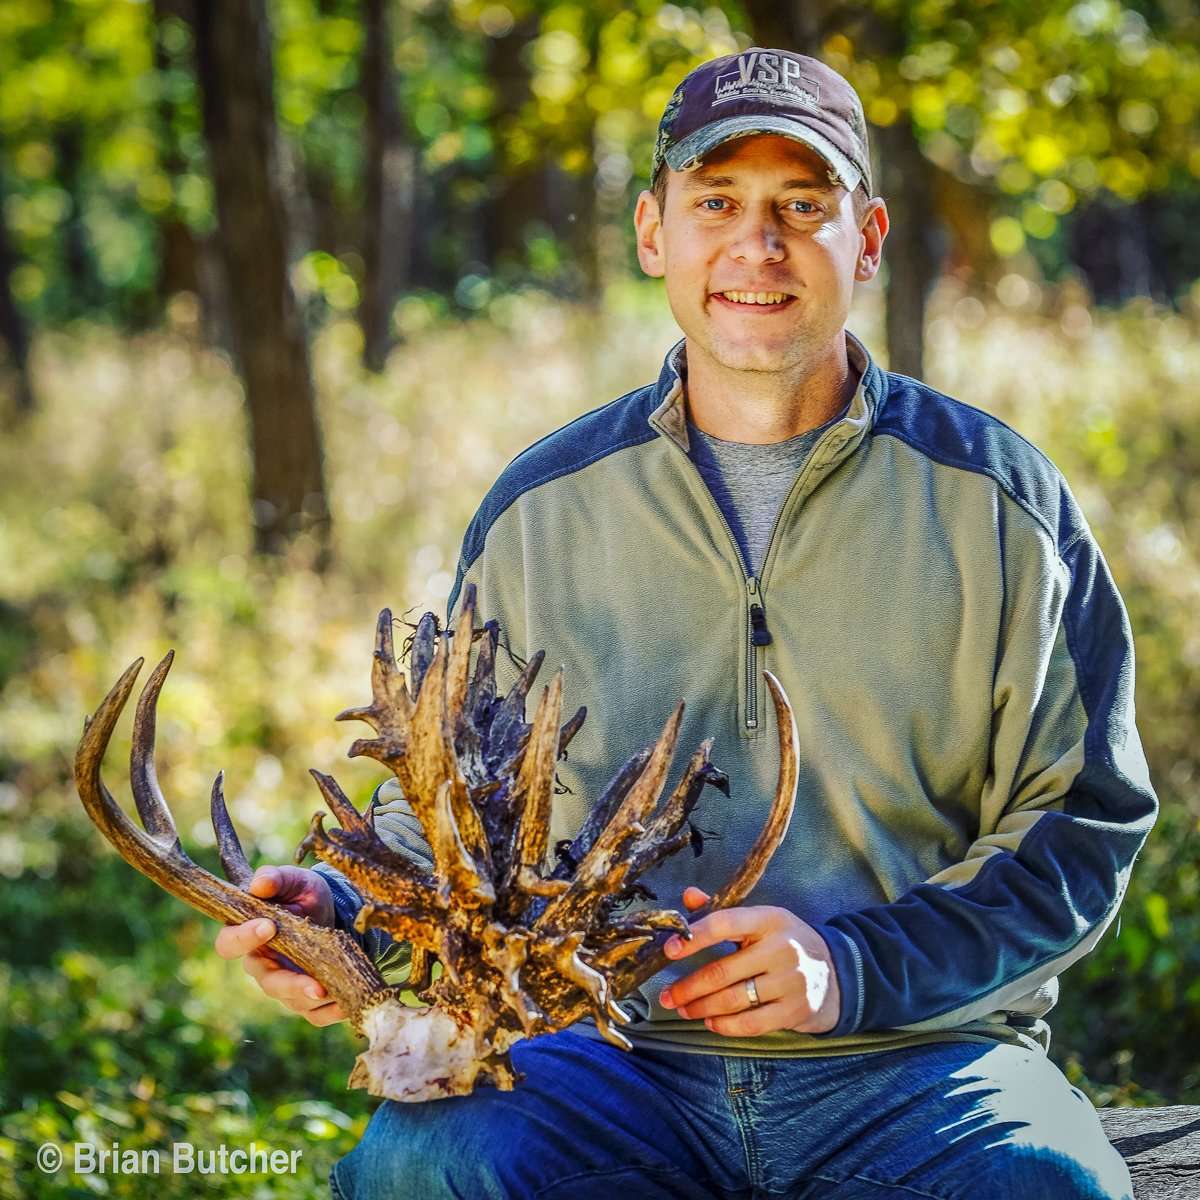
750, 482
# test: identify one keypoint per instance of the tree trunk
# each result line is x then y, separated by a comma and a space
575, 209
85, 291
233, 57
390, 176
913, 254
517, 194
178, 246
788, 25
12, 323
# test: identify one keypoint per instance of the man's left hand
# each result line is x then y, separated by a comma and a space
786, 958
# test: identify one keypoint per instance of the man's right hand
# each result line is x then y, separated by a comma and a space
306, 894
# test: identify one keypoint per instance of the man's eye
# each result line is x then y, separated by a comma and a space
812, 208
712, 200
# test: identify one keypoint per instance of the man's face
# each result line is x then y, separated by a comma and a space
759, 215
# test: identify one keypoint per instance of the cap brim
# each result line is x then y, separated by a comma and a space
690, 150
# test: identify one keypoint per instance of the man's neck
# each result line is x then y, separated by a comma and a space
760, 407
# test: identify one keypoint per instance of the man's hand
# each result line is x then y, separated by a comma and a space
306, 894
787, 959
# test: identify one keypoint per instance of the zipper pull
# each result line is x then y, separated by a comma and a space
760, 635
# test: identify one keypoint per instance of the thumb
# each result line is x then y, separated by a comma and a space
695, 897
281, 884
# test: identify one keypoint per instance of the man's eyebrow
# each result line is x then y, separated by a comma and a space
695, 183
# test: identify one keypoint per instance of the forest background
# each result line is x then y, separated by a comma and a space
284, 285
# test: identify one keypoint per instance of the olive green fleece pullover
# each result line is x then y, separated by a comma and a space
972, 789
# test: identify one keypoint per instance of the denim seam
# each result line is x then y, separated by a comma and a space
900, 1187
743, 1120
334, 1189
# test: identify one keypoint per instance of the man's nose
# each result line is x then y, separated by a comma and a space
758, 239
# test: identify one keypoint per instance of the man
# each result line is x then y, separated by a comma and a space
972, 789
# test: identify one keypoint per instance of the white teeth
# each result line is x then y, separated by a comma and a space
757, 297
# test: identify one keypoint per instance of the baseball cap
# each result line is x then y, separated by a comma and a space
766, 91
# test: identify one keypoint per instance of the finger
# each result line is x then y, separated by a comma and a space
732, 999
767, 1018
728, 925
722, 974
235, 940
299, 992
694, 897
258, 965
266, 881
325, 1014
280, 960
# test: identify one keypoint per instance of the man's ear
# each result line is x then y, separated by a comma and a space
647, 220
874, 229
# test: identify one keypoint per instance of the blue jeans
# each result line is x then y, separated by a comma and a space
952, 1121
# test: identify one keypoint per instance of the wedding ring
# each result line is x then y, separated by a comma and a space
752, 993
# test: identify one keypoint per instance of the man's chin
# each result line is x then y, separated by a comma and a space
754, 357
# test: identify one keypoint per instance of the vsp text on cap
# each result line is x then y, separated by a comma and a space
766, 91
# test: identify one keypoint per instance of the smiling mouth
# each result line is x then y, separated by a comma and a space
754, 302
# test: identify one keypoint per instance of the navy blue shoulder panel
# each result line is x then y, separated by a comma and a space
956, 435
595, 435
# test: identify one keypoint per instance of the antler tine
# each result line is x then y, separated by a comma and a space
424, 643
327, 954
483, 682
651, 959
780, 816
640, 801
534, 791
229, 846
602, 865
459, 666
699, 771
570, 729
168, 866
348, 817
134, 845
143, 778
610, 800
391, 706
509, 716
384, 645
463, 875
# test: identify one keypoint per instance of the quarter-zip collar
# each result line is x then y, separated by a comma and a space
669, 416
669, 419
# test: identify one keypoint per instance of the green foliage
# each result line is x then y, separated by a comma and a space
118, 85
1038, 107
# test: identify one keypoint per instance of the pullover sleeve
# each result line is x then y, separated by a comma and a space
1066, 807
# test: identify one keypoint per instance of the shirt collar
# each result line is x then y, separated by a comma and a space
669, 416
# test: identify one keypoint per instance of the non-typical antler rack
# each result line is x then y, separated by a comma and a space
525, 947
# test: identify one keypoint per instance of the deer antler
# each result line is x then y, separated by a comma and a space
524, 949
327, 954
